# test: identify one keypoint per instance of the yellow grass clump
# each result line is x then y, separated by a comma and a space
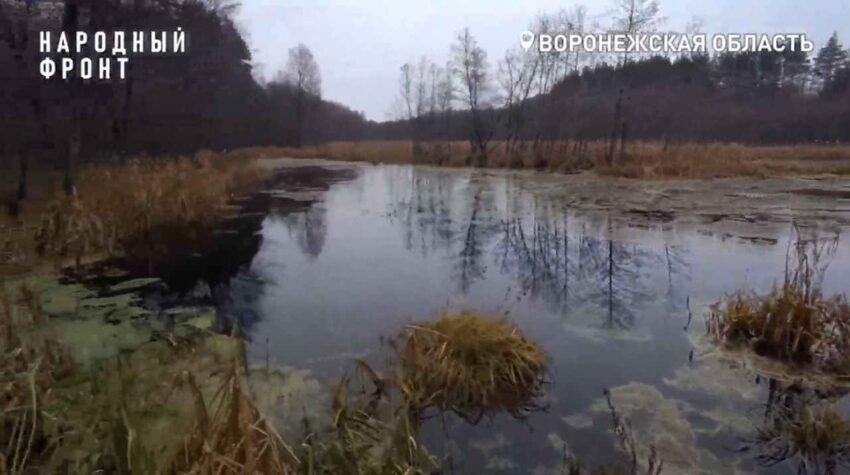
473, 365
794, 322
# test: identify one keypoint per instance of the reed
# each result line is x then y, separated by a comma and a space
816, 436
230, 436
646, 160
793, 322
374, 431
143, 208
31, 361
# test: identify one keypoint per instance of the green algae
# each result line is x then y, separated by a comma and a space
135, 285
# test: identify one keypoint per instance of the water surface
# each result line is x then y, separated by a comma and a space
608, 298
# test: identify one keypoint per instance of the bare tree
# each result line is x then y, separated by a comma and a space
636, 16
517, 73
470, 67
405, 88
418, 96
578, 17
302, 72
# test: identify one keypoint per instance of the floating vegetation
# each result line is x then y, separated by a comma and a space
472, 365
794, 322
68, 404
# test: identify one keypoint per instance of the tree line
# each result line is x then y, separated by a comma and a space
529, 97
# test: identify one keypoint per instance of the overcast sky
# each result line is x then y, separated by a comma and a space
360, 45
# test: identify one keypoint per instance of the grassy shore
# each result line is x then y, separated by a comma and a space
636, 160
139, 208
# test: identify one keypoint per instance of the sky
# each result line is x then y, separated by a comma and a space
360, 45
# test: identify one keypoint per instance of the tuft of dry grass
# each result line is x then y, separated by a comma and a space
471, 364
794, 322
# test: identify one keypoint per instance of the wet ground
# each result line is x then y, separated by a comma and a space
612, 277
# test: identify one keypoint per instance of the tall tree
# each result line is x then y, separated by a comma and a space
302, 72
634, 17
470, 67
830, 59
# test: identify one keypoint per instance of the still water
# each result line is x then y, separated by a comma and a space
343, 264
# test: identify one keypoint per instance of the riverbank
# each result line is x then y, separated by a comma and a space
637, 160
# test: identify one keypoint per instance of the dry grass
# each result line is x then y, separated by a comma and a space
30, 362
794, 322
690, 160
374, 432
162, 409
816, 435
231, 436
141, 209
471, 364
638, 160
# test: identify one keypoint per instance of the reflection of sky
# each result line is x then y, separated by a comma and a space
392, 251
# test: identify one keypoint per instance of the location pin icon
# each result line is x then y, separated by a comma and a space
526, 39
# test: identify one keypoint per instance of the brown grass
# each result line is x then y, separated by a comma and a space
471, 364
638, 160
374, 432
164, 408
231, 436
30, 362
137, 208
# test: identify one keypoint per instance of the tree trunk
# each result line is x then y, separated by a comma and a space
613, 145
624, 135
72, 155
22, 178
299, 118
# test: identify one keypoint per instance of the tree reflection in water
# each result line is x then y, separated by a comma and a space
549, 254
309, 228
